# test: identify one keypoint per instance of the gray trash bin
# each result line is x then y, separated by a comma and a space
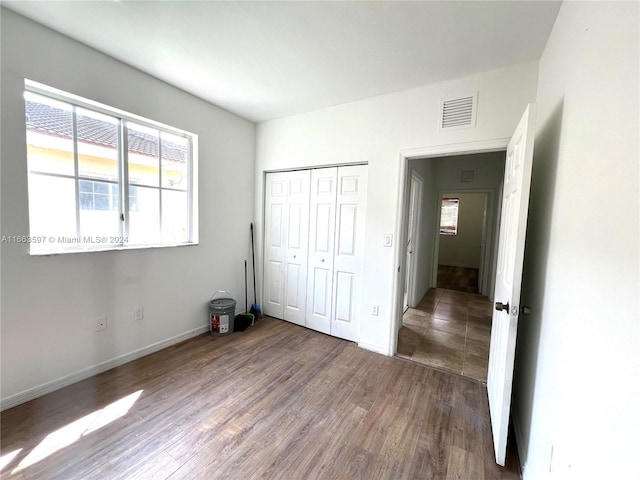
222, 312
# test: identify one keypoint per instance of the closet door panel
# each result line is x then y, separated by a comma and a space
348, 259
297, 246
321, 248
275, 247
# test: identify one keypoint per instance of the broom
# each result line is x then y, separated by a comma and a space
244, 320
255, 308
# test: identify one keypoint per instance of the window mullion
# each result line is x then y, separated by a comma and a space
124, 179
190, 190
160, 180
76, 168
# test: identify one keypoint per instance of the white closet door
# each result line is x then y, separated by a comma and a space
322, 217
349, 251
297, 246
275, 246
286, 245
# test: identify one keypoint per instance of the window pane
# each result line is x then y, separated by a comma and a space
52, 210
449, 216
97, 145
144, 222
102, 219
175, 154
144, 165
174, 216
49, 135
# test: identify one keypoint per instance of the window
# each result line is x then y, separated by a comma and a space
103, 179
449, 216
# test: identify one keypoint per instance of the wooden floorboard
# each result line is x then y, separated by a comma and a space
277, 401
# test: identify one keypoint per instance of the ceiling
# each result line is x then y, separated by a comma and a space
265, 60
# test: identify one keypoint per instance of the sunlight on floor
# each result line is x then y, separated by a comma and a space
72, 432
7, 458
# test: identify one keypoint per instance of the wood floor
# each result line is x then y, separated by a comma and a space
458, 278
450, 330
277, 401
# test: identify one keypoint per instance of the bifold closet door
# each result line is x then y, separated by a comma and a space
286, 244
322, 218
348, 260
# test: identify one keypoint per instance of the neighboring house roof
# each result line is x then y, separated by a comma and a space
57, 122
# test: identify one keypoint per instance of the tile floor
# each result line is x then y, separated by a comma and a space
449, 330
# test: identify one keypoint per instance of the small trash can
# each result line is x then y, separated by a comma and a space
222, 312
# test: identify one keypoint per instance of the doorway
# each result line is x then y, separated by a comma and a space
448, 325
461, 241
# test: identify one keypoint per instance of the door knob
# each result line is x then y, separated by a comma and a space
502, 307
322, 260
294, 256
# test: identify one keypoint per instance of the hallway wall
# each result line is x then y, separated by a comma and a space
463, 249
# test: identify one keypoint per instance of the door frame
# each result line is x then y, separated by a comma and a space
404, 179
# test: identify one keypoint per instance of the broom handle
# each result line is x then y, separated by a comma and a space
253, 256
246, 302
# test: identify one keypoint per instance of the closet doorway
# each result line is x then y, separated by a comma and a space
314, 248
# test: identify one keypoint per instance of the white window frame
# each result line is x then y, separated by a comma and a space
48, 248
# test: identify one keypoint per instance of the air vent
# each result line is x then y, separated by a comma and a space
467, 176
458, 112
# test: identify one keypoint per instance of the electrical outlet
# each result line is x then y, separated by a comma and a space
138, 313
101, 323
375, 310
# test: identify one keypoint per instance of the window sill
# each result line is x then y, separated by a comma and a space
110, 248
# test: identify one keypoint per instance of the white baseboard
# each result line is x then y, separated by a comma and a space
374, 348
67, 380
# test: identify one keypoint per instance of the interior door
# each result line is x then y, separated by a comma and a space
286, 244
275, 246
513, 226
413, 239
408, 265
349, 252
297, 246
322, 218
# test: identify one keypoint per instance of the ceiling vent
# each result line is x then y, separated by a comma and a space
458, 112
467, 176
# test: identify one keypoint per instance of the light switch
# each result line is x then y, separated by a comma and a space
388, 239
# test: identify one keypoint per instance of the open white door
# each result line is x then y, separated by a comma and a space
513, 228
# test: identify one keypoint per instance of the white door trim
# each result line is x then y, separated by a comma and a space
404, 156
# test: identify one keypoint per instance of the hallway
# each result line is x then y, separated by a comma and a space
449, 330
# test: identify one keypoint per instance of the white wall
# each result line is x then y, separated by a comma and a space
463, 249
49, 303
375, 130
577, 377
